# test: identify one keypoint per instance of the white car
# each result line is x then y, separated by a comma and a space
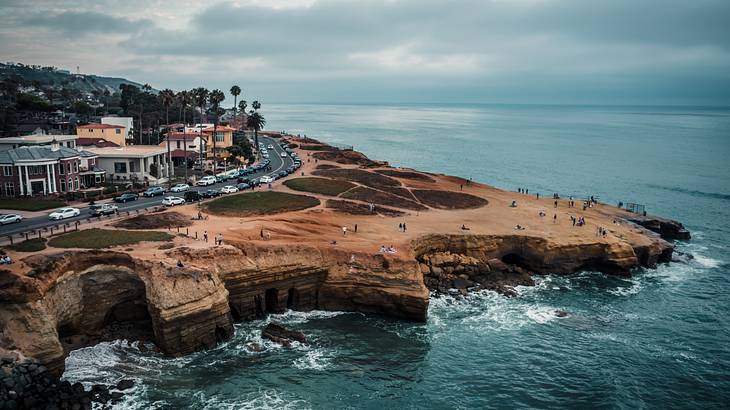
10, 218
271, 146
63, 213
267, 179
172, 201
180, 188
206, 180
283, 155
229, 189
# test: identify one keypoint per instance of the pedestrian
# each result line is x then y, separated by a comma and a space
262, 233
537, 195
461, 187
344, 231
400, 227
527, 191
555, 218
220, 239
556, 203
205, 236
355, 228
404, 226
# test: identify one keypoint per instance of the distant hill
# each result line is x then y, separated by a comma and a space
85, 84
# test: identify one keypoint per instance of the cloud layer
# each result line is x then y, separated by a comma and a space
518, 51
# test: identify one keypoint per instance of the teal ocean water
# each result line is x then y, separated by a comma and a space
660, 339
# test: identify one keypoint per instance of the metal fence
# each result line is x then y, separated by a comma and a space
635, 208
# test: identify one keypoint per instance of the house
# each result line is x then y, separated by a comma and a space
141, 163
112, 133
126, 122
94, 143
68, 141
178, 143
47, 169
223, 139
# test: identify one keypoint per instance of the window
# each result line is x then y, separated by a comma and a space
70, 184
178, 144
219, 137
9, 189
120, 167
91, 130
131, 167
36, 170
68, 167
76, 166
61, 168
76, 183
63, 185
8, 171
118, 131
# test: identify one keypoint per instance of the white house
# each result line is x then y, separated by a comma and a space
133, 163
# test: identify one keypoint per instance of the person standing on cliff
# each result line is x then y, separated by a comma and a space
205, 236
556, 203
344, 231
404, 226
555, 218
400, 227
355, 228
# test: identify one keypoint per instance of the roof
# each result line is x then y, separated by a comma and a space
37, 139
100, 126
222, 128
130, 151
178, 153
179, 136
98, 142
37, 153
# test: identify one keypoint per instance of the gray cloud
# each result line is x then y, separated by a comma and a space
669, 51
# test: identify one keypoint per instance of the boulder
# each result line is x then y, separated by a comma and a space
125, 384
497, 264
279, 334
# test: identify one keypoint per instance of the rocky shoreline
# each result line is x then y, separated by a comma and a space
186, 297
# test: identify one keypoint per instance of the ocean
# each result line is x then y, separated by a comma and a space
660, 339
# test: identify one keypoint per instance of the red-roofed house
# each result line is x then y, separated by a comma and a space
223, 139
178, 143
112, 133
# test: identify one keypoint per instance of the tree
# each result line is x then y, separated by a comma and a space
242, 107
215, 98
200, 95
183, 97
257, 122
235, 92
167, 97
106, 101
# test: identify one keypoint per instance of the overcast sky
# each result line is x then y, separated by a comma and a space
485, 51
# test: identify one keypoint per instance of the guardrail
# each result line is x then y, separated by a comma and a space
71, 226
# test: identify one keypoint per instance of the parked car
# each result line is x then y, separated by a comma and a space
267, 179
10, 219
254, 182
64, 213
282, 174
210, 193
242, 180
271, 146
193, 196
103, 209
229, 189
172, 201
126, 197
154, 191
243, 186
179, 188
206, 180
283, 155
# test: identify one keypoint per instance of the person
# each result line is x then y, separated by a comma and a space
355, 228
220, 239
205, 236
461, 187
542, 214
382, 248
556, 203
464, 228
262, 233
268, 235
179, 264
344, 231
404, 226
537, 195
555, 218
513, 204
200, 215
527, 191
400, 227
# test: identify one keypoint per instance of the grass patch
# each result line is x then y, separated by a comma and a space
355, 208
322, 186
382, 198
31, 204
260, 203
31, 245
405, 174
448, 199
161, 220
104, 238
367, 178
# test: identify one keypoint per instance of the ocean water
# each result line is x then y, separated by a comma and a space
660, 339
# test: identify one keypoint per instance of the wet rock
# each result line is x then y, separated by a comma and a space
279, 334
497, 264
460, 283
561, 313
254, 347
125, 384
437, 271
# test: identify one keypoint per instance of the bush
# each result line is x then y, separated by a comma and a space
31, 245
104, 238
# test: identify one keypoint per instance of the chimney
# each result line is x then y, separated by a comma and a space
55, 146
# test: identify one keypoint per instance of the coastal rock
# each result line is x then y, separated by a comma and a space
279, 334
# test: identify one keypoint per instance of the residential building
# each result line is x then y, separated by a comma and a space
141, 163
46, 170
126, 122
94, 143
68, 141
178, 142
113, 133
223, 139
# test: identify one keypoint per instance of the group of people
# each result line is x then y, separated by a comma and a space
523, 191
600, 231
5, 260
389, 249
402, 226
218, 238
578, 221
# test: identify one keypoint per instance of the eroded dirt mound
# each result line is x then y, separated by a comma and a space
155, 221
326, 166
347, 157
405, 175
448, 199
317, 147
382, 198
363, 177
355, 208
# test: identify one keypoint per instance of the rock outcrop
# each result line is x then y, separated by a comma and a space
666, 228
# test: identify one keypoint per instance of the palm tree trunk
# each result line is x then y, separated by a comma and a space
169, 154
256, 140
185, 147
201, 159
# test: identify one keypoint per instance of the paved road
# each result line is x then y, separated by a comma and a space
278, 163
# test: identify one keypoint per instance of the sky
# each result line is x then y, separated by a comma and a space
673, 52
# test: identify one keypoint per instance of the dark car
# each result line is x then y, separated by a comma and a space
125, 197
242, 180
210, 193
282, 174
254, 182
154, 191
192, 196
243, 186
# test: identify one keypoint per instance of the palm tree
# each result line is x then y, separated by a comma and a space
256, 105
183, 98
257, 122
216, 97
200, 96
235, 92
167, 97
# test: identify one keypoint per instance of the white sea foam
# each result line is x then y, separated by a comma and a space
634, 286
263, 399
313, 359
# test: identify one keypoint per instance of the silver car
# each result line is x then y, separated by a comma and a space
10, 219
